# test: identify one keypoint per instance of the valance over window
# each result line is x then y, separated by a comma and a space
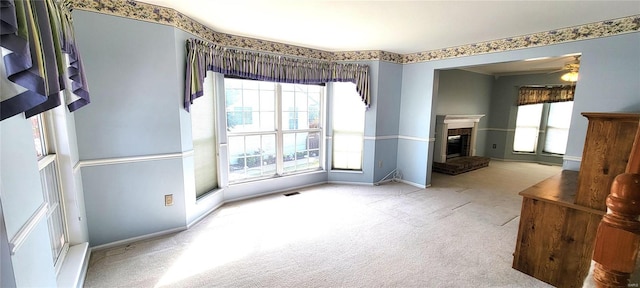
203, 56
34, 35
536, 95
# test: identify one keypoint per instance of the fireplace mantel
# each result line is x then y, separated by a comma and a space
454, 121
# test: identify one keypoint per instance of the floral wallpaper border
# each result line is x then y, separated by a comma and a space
168, 16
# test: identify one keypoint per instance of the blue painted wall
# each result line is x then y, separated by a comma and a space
387, 119
464, 92
134, 107
416, 130
136, 86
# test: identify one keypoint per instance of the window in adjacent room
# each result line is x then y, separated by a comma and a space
527, 127
547, 124
273, 128
52, 193
204, 139
348, 127
558, 127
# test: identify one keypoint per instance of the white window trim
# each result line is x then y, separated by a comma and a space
279, 136
539, 146
48, 137
339, 131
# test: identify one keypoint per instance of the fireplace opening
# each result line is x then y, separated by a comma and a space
454, 147
457, 146
458, 143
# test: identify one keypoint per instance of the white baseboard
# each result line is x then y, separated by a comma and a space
525, 161
205, 214
274, 192
137, 238
350, 183
414, 184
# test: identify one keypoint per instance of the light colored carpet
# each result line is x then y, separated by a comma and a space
459, 232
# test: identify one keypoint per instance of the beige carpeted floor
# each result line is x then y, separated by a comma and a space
460, 232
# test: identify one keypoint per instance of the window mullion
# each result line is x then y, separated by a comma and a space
279, 137
542, 131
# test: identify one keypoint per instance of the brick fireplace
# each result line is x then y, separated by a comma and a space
455, 145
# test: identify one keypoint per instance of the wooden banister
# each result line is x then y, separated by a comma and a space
618, 236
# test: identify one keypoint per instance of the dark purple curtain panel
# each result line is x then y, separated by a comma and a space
37, 33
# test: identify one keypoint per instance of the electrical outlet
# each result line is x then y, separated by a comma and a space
494, 146
168, 200
380, 164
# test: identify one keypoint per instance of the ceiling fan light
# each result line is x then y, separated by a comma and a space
570, 77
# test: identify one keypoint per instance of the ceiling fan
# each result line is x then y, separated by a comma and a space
572, 68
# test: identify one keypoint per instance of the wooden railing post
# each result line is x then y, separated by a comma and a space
618, 236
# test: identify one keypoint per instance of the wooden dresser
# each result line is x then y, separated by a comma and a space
560, 215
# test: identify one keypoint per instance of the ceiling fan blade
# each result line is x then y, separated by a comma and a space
556, 71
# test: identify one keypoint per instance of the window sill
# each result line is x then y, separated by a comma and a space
347, 171
545, 154
523, 153
275, 177
204, 196
74, 266
552, 155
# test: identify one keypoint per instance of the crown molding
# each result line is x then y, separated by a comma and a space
168, 16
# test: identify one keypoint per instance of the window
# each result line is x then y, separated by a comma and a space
38, 136
51, 191
348, 127
273, 128
204, 138
527, 127
558, 127
530, 122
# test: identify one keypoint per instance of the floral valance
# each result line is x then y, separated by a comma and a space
536, 95
203, 57
34, 35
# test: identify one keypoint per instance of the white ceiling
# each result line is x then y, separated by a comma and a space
395, 26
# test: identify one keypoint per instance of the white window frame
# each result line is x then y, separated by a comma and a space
541, 132
50, 179
357, 136
527, 128
279, 133
548, 127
